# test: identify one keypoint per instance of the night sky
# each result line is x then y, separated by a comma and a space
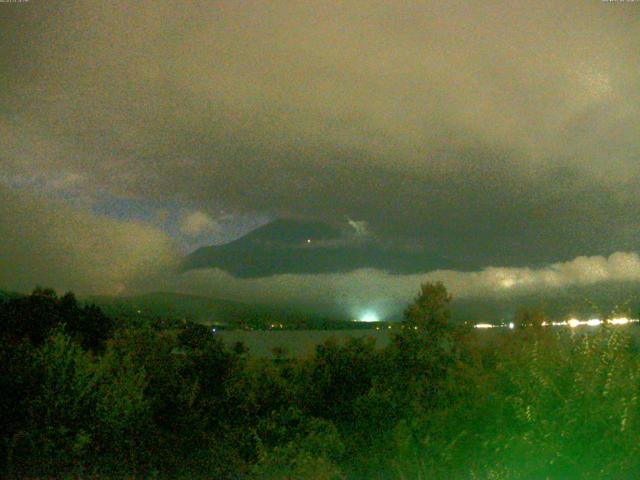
503, 134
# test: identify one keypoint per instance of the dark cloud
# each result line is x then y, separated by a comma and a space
501, 132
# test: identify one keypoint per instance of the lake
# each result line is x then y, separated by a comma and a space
301, 343
296, 343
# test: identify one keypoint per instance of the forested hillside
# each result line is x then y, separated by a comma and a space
86, 396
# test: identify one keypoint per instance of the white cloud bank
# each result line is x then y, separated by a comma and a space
357, 289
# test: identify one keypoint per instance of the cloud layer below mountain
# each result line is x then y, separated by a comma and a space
361, 289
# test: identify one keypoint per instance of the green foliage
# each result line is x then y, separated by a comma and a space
35, 316
310, 450
58, 428
438, 402
68, 381
338, 376
424, 354
430, 309
566, 397
122, 411
19, 383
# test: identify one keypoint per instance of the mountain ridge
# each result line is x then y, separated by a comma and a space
287, 246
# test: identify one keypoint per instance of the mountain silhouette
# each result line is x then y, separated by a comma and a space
307, 247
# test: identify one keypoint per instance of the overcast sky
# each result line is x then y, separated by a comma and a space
504, 132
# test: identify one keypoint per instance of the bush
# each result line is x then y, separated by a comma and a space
439, 402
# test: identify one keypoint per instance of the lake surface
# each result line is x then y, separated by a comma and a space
302, 343
296, 343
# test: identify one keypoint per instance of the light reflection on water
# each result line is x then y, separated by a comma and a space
571, 323
301, 343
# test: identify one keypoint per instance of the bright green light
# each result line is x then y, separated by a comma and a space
369, 317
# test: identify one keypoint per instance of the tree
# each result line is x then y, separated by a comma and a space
425, 353
35, 316
88, 324
311, 450
430, 312
337, 376
20, 382
30, 317
122, 411
58, 431
426, 342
